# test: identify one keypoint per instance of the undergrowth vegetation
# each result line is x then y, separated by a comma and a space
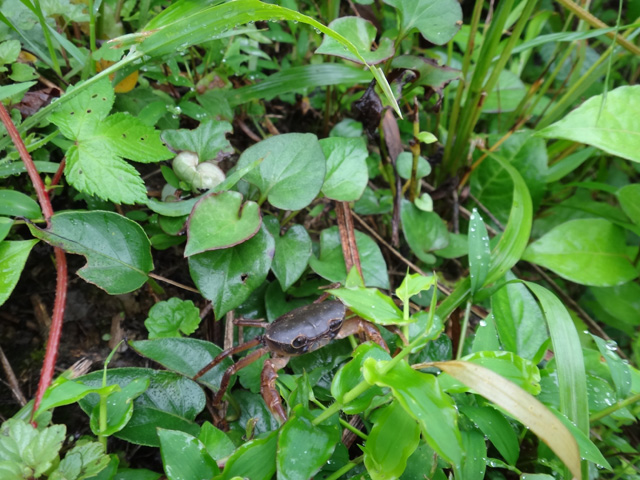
367, 239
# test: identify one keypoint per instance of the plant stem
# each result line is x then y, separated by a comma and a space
339, 473
614, 408
463, 330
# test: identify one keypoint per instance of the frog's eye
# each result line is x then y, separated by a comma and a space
299, 342
335, 325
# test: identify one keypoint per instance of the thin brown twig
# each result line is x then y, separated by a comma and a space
175, 284
347, 237
14, 386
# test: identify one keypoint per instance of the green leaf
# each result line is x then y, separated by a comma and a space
63, 391
608, 123
119, 407
330, 264
474, 464
35, 451
347, 175
117, 250
255, 459
5, 227
521, 405
17, 204
82, 461
221, 220
629, 198
497, 429
404, 165
519, 321
13, 256
303, 448
620, 372
479, 254
393, 438
184, 457
169, 318
292, 171
207, 141
371, 304
170, 402
293, 250
427, 138
424, 231
216, 442
7, 91
437, 20
423, 399
587, 251
621, 302
186, 356
9, 51
413, 284
94, 162
568, 356
361, 33
227, 277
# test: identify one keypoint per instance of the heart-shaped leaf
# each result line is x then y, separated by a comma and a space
117, 250
362, 34
292, 171
227, 277
293, 250
437, 20
221, 220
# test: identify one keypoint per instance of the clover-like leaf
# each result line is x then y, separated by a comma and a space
220, 220
95, 162
117, 250
362, 34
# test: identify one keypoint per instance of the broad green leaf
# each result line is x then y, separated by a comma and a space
620, 372
474, 464
568, 164
171, 317
13, 256
330, 264
361, 33
568, 356
629, 198
303, 448
207, 141
497, 429
228, 276
393, 438
5, 227
292, 171
347, 175
423, 399
221, 220
521, 405
184, 457
117, 250
404, 166
82, 461
606, 122
170, 402
293, 250
437, 20
17, 204
519, 321
350, 375
479, 254
588, 251
95, 162
371, 304
255, 459
621, 302
119, 407
186, 356
216, 442
424, 231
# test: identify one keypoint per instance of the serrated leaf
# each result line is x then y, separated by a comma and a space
170, 318
13, 256
607, 123
437, 20
228, 276
292, 171
117, 250
347, 175
82, 461
207, 141
128, 137
221, 220
589, 251
362, 34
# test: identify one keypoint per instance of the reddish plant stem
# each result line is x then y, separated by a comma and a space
58, 175
48, 366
